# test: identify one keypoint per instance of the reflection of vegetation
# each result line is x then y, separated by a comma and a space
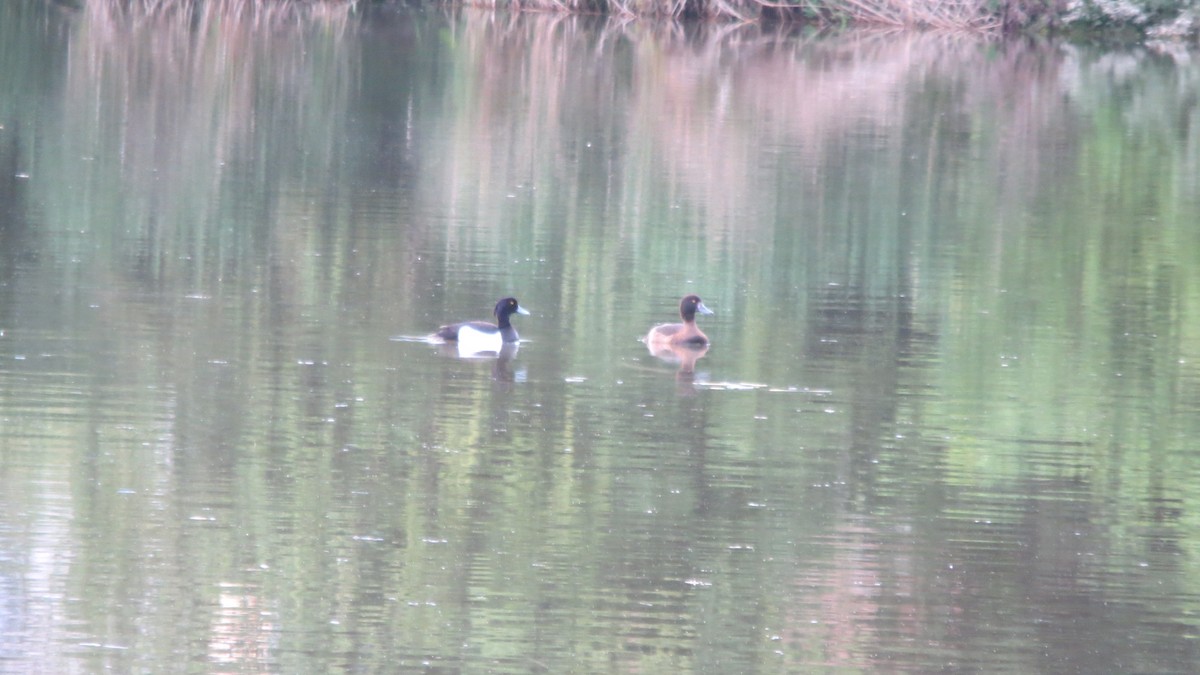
969, 262
207, 13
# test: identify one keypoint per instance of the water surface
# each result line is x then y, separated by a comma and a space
946, 423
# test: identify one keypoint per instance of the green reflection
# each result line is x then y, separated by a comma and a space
946, 417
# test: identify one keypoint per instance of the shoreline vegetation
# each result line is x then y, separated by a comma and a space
1171, 21
1150, 19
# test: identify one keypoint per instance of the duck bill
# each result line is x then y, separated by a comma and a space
703, 310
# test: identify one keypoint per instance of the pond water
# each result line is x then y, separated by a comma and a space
948, 419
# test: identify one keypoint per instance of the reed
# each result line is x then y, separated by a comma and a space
985, 15
1155, 19
255, 10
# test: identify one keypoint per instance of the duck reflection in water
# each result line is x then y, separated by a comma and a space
502, 369
685, 356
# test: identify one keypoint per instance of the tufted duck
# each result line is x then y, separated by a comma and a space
685, 333
481, 335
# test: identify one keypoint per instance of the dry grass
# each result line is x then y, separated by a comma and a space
944, 14
973, 15
976, 15
257, 10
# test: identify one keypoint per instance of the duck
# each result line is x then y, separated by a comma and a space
481, 336
681, 334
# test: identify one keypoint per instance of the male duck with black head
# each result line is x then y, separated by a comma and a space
473, 337
684, 334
